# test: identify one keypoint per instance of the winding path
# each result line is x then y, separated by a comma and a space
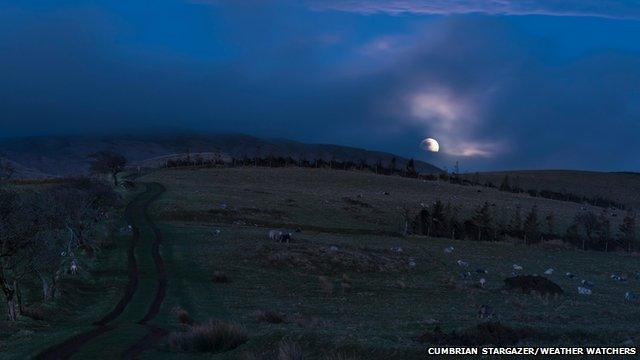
145, 242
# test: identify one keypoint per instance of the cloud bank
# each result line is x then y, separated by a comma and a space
589, 8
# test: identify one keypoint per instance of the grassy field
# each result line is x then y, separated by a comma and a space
340, 289
360, 298
620, 187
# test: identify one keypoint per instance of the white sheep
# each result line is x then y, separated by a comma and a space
517, 267
74, 267
448, 250
463, 264
549, 271
584, 290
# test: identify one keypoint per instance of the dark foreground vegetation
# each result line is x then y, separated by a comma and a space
46, 236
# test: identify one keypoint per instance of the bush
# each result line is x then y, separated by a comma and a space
213, 337
530, 283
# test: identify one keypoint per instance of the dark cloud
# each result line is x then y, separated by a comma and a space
494, 95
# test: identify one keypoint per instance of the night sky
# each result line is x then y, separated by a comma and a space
500, 84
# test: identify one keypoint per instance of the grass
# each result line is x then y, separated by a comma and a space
343, 291
215, 336
365, 300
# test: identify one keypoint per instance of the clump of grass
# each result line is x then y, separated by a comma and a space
213, 337
183, 316
289, 350
219, 277
340, 356
270, 316
325, 285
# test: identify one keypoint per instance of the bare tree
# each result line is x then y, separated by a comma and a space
628, 232
107, 162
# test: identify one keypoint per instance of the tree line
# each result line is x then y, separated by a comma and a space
587, 231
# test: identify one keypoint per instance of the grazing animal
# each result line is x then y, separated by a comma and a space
463, 264
549, 271
587, 284
448, 250
333, 248
517, 267
482, 282
397, 249
485, 312
584, 291
630, 296
412, 263
569, 275
620, 278
74, 267
216, 232
279, 236
481, 271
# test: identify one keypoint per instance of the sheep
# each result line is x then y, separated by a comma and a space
587, 284
333, 248
618, 277
549, 271
74, 267
630, 296
485, 312
279, 236
397, 249
463, 264
482, 282
584, 290
517, 267
569, 275
448, 250
481, 271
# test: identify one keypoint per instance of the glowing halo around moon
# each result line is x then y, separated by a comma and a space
430, 144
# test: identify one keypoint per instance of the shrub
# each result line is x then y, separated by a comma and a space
183, 316
213, 337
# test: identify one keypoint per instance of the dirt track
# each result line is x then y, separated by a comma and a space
135, 212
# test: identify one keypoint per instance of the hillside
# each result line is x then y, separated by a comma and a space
346, 285
621, 187
59, 156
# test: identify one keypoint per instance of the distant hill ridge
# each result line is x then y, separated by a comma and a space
48, 156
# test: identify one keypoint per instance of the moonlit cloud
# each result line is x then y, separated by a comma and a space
451, 121
579, 8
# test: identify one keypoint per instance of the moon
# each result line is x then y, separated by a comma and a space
430, 144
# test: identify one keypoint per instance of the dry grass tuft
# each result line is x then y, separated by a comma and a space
270, 316
213, 337
314, 258
289, 350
